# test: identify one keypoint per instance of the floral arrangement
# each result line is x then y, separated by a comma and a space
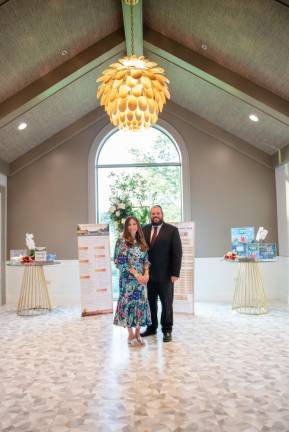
231, 256
27, 259
119, 211
30, 244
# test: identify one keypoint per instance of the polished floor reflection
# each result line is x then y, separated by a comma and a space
222, 372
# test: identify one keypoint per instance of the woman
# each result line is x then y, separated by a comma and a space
131, 258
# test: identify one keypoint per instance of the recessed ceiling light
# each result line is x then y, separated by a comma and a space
204, 46
253, 117
64, 52
22, 126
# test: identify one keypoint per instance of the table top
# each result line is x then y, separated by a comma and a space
32, 264
246, 261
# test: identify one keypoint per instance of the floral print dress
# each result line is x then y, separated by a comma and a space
132, 306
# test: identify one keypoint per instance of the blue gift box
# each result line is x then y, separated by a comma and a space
51, 257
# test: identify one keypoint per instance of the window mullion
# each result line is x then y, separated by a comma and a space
139, 165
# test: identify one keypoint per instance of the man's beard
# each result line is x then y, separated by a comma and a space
157, 223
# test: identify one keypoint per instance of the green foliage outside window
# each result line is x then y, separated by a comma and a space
152, 184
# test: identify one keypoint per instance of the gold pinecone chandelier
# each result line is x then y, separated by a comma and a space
133, 91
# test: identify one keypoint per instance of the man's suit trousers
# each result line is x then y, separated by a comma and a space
165, 291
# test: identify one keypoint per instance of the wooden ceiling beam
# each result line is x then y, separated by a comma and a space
133, 27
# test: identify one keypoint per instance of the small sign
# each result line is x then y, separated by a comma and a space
17, 253
40, 253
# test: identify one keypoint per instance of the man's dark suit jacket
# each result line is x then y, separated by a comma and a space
165, 255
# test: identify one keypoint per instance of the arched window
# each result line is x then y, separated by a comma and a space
144, 167
152, 166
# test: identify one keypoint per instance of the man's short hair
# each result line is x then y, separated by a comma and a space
158, 207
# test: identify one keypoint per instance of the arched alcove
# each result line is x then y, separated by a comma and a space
112, 151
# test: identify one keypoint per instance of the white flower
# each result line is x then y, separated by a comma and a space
112, 209
116, 224
121, 206
29, 241
117, 213
123, 221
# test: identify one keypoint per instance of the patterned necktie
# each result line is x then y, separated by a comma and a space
154, 236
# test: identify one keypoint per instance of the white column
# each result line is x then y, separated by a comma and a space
282, 195
3, 180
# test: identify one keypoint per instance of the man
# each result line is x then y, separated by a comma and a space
165, 256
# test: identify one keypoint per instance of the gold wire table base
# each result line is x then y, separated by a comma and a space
34, 297
249, 295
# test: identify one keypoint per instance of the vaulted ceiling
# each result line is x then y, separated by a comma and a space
225, 60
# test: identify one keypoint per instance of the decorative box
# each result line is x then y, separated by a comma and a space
40, 253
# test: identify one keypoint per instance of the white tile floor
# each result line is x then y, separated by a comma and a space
222, 372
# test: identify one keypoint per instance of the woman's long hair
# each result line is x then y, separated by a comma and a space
139, 237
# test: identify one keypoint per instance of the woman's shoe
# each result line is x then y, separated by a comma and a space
140, 340
133, 342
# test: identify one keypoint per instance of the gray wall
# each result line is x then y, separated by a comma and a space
228, 188
232, 184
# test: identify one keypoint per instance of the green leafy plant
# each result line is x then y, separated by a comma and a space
133, 190
147, 186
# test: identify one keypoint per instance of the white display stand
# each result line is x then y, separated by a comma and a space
94, 269
34, 296
62, 281
184, 287
249, 296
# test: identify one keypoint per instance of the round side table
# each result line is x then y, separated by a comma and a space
249, 296
34, 296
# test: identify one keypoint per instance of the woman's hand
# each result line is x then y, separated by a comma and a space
143, 279
133, 272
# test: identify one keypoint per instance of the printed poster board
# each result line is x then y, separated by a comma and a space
240, 238
94, 269
242, 234
184, 287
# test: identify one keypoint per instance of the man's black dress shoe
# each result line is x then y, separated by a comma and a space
167, 337
148, 332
